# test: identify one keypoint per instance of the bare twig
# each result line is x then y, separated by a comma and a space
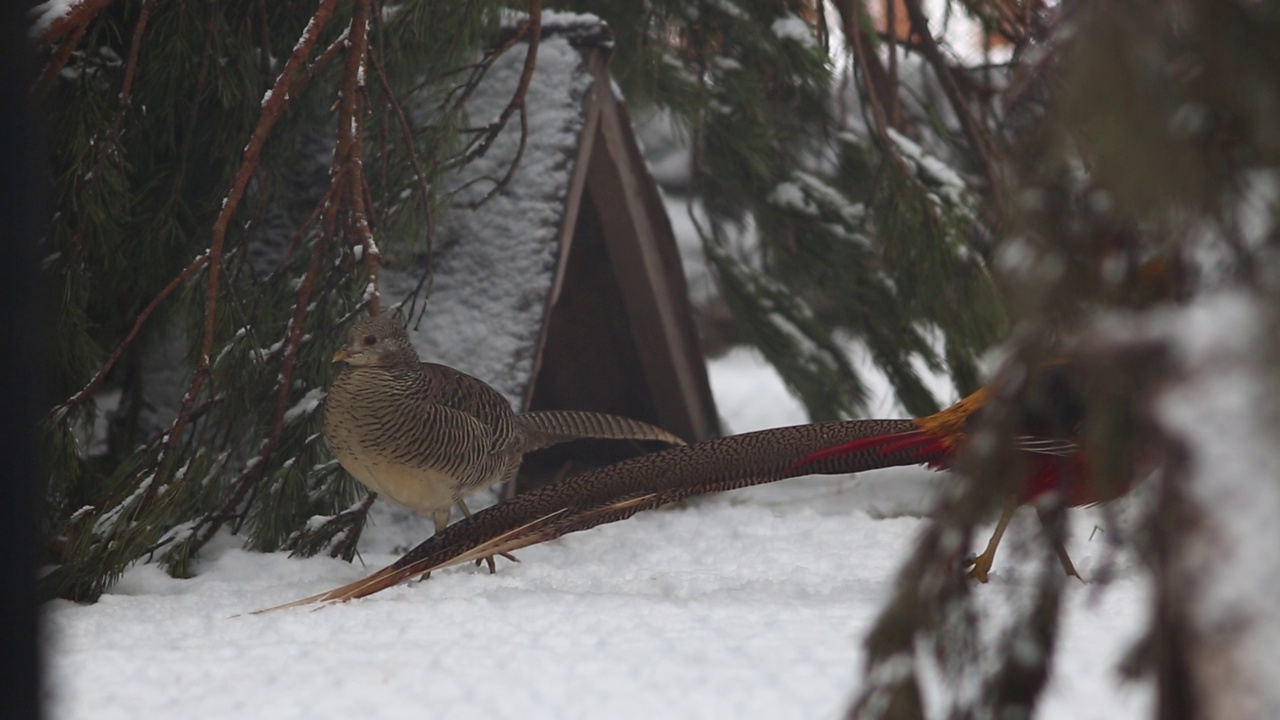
532, 29
406, 131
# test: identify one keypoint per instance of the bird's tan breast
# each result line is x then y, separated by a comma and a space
385, 429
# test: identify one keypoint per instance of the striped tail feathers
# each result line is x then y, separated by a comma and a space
419, 561
618, 491
930, 440
920, 446
543, 428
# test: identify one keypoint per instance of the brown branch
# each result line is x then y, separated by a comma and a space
348, 178
355, 520
131, 67
337, 46
983, 145
857, 38
351, 142
880, 92
533, 30
74, 22
59, 60
88, 390
208, 526
406, 131
891, 13
272, 109
515, 161
466, 88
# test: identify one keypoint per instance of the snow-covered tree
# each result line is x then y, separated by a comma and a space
1134, 165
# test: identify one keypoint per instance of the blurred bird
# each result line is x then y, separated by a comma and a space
1047, 438
618, 491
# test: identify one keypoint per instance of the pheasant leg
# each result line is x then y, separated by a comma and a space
488, 559
1058, 546
982, 563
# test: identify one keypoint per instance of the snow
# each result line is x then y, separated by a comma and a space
750, 604
791, 27
931, 169
305, 405
1228, 556
47, 13
494, 266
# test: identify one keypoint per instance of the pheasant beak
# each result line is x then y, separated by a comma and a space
341, 355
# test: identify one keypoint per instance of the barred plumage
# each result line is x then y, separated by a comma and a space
425, 435
619, 491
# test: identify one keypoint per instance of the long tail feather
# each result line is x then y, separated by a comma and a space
544, 428
925, 447
621, 490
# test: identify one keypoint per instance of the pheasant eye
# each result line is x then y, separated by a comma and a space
370, 340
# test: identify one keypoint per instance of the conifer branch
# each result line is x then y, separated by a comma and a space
76, 20
112, 138
350, 146
979, 138
355, 521
96, 382
532, 30
272, 109
204, 529
59, 60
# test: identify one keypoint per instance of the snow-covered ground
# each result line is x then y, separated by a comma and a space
750, 604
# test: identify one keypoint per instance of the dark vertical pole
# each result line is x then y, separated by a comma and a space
21, 351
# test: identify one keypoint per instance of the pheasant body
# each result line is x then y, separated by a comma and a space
618, 491
425, 435
1047, 439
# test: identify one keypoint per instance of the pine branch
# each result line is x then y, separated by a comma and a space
87, 392
271, 112
350, 145
979, 139
205, 529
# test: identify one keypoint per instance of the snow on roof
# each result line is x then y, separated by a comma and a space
494, 265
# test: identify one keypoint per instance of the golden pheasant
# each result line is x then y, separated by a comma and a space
619, 491
1048, 437
425, 435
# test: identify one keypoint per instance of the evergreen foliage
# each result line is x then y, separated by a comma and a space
1137, 173
1103, 157
179, 129
186, 231
867, 236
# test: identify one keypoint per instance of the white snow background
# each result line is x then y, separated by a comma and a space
751, 604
